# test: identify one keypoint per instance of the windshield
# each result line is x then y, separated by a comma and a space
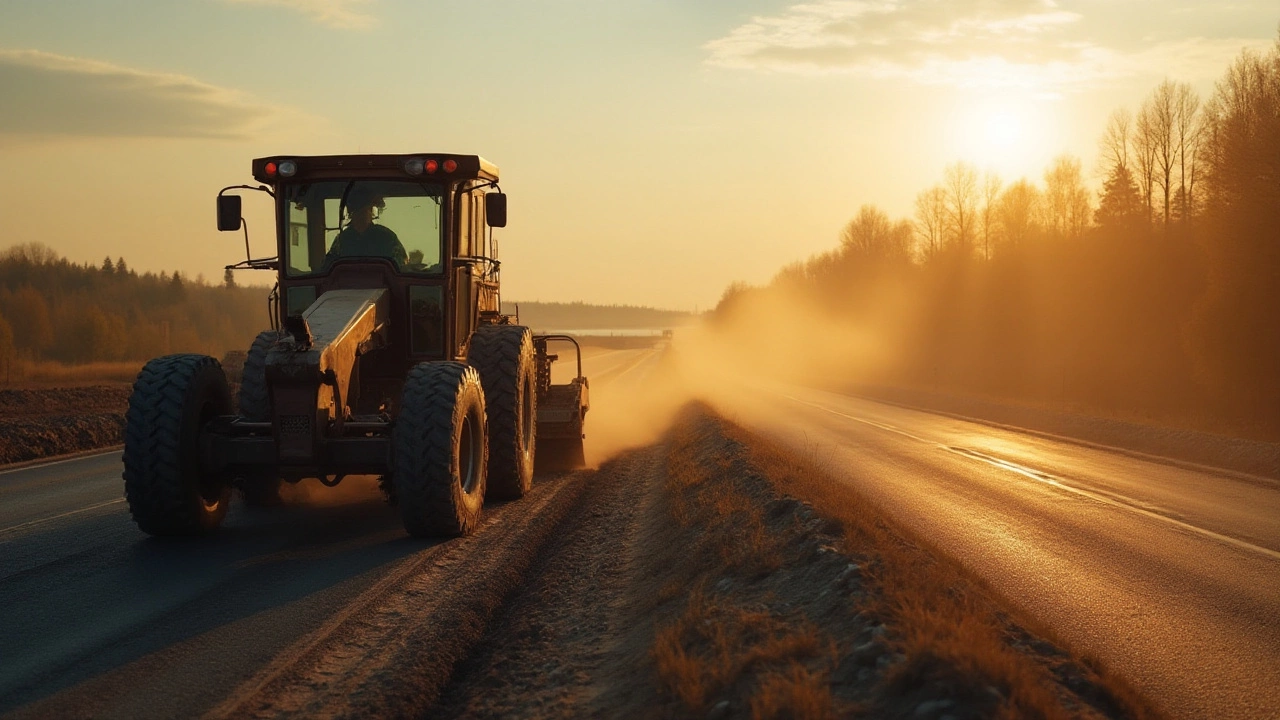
331, 221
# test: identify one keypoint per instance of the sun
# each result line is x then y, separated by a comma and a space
1002, 129
1006, 135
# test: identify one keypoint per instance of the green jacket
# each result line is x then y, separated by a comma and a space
375, 241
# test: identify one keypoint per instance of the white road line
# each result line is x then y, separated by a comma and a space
43, 520
872, 423
639, 361
614, 366
1117, 501
59, 462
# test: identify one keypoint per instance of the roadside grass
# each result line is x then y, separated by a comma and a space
716, 644
719, 648
718, 508
951, 630
49, 373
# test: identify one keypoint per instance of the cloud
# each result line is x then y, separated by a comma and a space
1022, 44
342, 14
47, 94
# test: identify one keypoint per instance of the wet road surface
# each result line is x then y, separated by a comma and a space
1168, 573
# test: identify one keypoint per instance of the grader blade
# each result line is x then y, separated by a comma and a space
310, 370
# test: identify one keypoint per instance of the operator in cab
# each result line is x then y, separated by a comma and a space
362, 237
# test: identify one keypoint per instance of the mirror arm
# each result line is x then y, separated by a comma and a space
245, 224
271, 263
248, 257
259, 188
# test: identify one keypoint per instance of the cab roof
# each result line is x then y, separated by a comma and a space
416, 166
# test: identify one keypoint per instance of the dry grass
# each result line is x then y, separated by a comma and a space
715, 645
718, 647
48, 373
794, 694
944, 621
718, 507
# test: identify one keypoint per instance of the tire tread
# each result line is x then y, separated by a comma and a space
158, 448
503, 354
428, 491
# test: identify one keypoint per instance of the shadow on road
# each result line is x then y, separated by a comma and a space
93, 595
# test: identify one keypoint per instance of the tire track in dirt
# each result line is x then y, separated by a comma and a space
551, 643
392, 651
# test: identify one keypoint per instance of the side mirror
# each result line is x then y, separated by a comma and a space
229, 213
495, 209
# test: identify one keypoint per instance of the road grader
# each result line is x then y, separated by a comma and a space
388, 355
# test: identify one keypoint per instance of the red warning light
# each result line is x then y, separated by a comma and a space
450, 165
431, 166
270, 168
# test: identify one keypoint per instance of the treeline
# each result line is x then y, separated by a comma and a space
54, 309
581, 316
1159, 296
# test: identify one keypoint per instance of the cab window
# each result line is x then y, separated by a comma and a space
398, 222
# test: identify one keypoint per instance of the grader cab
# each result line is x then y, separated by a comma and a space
389, 355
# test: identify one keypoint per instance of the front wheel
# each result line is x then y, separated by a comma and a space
168, 488
441, 449
255, 406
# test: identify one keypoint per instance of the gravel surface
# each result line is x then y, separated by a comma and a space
44, 422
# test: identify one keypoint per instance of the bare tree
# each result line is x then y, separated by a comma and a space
1145, 145
961, 186
990, 194
1160, 111
901, 241
1187, 132
1067, 208
1016, 214
931, 220
871, 234
1115, 141
867, 232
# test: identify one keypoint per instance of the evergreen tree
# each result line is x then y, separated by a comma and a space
177, 287
1120, 207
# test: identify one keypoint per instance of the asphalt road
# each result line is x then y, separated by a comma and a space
1168, 573
103, 619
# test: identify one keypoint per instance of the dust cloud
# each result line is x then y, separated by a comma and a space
632, 403
719, 360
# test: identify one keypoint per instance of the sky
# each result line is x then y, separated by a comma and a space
653, 151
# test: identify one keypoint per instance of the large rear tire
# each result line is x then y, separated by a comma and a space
440, 444
255, 406
254, 398
503, 354
168, 489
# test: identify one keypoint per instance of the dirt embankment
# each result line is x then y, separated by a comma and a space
42, 422
691, 583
